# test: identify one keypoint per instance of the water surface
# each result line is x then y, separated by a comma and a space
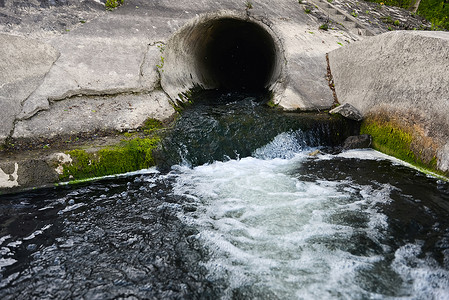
250, 216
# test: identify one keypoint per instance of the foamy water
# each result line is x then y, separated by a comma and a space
271, 235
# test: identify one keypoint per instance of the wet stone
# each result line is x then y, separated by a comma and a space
358, 142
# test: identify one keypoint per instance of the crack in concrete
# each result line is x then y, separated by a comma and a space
144, 60
22, 103
330, 79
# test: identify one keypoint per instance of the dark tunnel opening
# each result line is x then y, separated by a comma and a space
223, 51
237, 55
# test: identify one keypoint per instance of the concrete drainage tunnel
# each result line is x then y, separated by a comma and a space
221, 52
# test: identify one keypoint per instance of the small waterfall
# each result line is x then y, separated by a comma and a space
220, 126
240, 211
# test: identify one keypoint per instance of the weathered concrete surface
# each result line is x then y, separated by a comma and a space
402, 75
23, 66
38, 169
370, 15
80, 114
107, 75
117, 53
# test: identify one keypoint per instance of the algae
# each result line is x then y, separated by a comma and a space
133, 153
398, 142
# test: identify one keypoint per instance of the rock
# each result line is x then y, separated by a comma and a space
347, 111
358, 142
400, 77
314, 153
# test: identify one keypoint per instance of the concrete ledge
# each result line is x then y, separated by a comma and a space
400, 79
108, 155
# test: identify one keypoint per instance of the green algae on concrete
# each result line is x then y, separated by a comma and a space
393, 139
131, 154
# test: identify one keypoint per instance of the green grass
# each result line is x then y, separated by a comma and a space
112, 4
324, 26
435, 11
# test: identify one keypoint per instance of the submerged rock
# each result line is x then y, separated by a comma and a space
358, 142
315, 153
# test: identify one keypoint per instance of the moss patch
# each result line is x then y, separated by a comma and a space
129, 155
133, 153
401, 142
111, 4
390, 140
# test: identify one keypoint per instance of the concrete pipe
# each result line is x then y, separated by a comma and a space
223, 50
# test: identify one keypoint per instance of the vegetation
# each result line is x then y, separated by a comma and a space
324, 26
112, 4
390, 138
436, 11
161, 48
131, 154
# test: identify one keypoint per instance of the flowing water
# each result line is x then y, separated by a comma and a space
237, 212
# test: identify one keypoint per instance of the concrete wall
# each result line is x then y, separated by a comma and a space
401, 77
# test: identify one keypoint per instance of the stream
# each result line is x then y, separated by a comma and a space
237, 209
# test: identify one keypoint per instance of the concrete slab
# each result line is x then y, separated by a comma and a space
23, 65
83, 114
305, 52
400, 76
93, 66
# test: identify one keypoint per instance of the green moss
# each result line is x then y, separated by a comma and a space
271, 104
151, 125
129, 155
111, 4
390, 140
394, 141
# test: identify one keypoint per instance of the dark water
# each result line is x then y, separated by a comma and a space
274, 223
232, 125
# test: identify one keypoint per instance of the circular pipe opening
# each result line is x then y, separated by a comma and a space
223, 50
236, 55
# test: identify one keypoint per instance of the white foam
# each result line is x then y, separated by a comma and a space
267, 229
37, 232
423, 277
284, 145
